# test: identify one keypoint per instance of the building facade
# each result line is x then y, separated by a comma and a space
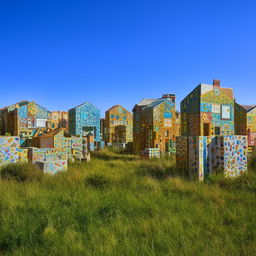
208, 143
23, 119
155, 124
208, 110
118, 125
84, 119
245, 122
59, 119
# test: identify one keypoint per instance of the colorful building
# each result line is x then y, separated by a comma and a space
23, 119
208, 144
155, 124
84, 119
208, 110
118, 125
245, 122
59, 119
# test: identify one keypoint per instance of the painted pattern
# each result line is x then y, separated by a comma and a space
118, 125
205, 155
208, 104
156, 125
10, 151
84, 119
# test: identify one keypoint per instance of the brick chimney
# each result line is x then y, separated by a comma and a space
169, 96
216, 83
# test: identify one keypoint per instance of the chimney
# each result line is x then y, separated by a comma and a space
169, 96
216, 83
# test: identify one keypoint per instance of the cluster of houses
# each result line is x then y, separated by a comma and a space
212, 132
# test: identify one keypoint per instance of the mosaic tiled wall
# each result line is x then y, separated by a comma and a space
84, 119
59, 119
245, 123
208, 110
53, 167
23, 119
156, 125
10, 151
114, 117
204, 155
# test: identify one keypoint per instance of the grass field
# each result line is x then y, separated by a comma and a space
120, 205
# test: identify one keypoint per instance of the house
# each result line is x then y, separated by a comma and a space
84, 119
23, 119
208, 143
59, 119
208, 110
155, 124
118, 125
245, 122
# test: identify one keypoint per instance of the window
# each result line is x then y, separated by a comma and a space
217, 130
166, 133
225, 112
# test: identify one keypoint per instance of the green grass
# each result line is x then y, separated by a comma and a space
120, 205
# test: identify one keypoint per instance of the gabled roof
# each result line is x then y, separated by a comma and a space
86, 102
51, 133
20, 103
117, 106
145, 102
248, 107
157, 102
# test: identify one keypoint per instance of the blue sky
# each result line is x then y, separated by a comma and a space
63, 53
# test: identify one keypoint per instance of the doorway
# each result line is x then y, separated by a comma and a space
206, 129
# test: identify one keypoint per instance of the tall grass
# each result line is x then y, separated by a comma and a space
120, 205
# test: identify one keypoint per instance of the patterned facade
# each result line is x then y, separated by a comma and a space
59, 119
208, 144
23, 119
208, 110
245, 122
84, 119
118, 125
155, 124
200, 156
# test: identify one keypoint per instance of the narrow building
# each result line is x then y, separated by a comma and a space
155, 124
245, 122
118, 126
208, 143
84, 119
59, 119
208, 110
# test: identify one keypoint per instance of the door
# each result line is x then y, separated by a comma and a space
206, 129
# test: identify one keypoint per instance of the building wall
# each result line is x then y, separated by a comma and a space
209, 108
59, 119
200, 156
155, 126
10, 151
139, 137
24, 119
118, 116
85, 115
240, 120
251, 127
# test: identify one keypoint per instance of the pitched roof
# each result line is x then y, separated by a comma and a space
145, 102
157, 102
51, 133
86, 102
20, 103
248, 107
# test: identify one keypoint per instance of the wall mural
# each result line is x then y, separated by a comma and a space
118, 125
85, 119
